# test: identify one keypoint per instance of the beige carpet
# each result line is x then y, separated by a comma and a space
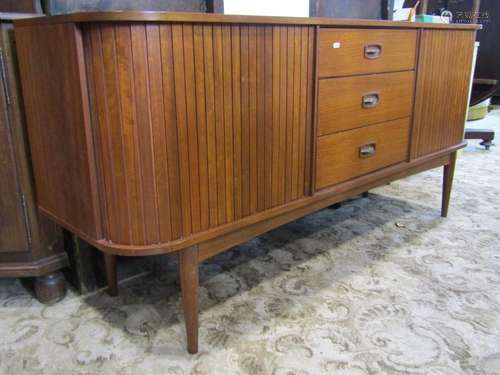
382, 285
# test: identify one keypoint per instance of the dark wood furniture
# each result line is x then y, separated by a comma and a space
487, 64
20, 6
187, 134
485, 135
482, 90
373, 9
30, 246
53, 7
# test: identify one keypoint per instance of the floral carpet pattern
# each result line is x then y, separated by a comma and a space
381, 285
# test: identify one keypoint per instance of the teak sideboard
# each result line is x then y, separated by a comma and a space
162, 133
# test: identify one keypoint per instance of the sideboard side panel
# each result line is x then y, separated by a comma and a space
56, 104
443, 75
197, 125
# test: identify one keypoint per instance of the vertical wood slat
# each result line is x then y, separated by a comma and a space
268, 116
210, 116
201, 124
109, 134
236, 105
161, 170
283, 116
228, 121
296, 111
130, 130
302, 112
260, 108
181, 122
147, 181
252, 107
310, 110
289, 112
276, 116
219, 123
93, 38
124, 73
171, 133
194, 173
245, 122
441, 90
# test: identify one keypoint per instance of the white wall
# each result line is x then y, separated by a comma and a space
289, 8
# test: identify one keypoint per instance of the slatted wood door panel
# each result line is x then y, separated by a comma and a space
443, 76
201, 125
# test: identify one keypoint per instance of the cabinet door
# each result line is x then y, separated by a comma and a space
444, 70
13, 230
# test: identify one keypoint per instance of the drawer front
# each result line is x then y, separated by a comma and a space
353, 102
353, 153
360, 51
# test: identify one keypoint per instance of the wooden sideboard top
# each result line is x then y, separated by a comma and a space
136, 16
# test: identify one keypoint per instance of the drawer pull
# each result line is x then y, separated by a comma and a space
370, 100
373, 51
367, 150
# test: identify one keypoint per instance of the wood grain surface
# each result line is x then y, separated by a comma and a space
58, 124
340, 100
444, 70
196, 125
30, 245
397, 51
137, 16
188, 131
338, 157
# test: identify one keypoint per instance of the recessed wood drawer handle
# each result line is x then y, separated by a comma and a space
370, 100
367, 150
373, 51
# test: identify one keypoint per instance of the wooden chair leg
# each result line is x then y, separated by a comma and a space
188, 272
110, 262
449, 171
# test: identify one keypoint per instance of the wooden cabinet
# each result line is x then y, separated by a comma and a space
171, 133
364, 113
30, 245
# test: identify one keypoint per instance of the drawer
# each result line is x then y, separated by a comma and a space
353, 153
352, 102
360, 51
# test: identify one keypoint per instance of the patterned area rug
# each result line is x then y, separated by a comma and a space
382, 285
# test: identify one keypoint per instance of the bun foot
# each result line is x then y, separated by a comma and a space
51, 288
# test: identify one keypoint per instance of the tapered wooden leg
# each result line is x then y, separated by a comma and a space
449, 170
110, 262
188, 272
